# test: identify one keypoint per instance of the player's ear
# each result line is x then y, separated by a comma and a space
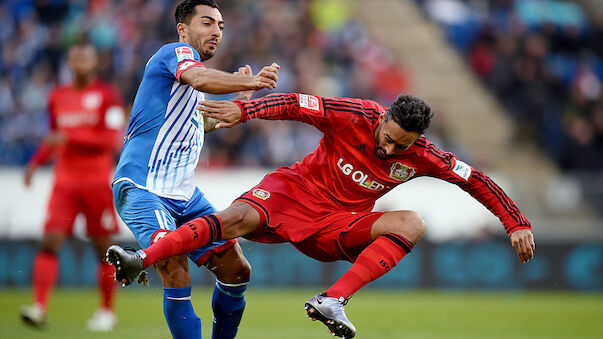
182, 29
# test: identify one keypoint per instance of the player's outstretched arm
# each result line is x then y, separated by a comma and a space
209, 124
218, 82
244, 95
42, 155
523, 242
226, 113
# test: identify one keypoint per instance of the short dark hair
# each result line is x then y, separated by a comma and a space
411, 113
186, 9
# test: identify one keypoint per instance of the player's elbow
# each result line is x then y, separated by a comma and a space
201, 83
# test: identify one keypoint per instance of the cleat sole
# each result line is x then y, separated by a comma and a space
114, 259
335, 328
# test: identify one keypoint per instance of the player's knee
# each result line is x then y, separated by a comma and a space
174, 272
229, 268
242, 272
51, 243
412, 226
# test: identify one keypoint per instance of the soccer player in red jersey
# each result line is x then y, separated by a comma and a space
86, 121
323, 205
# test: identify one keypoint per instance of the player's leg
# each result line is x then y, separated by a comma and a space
232, 272
45, 273
375, 242
178, 310
97, 205
393, 236
237, 220
60, 216
147, 217
104, 319
225, 259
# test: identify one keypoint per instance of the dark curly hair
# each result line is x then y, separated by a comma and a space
411, 113
186, 9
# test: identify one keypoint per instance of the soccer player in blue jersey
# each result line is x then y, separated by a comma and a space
153, 188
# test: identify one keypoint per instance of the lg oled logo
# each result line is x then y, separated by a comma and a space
359, 177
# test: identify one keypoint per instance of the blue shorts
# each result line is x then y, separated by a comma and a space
150, 216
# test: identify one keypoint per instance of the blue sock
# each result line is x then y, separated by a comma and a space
179, 313
228, 304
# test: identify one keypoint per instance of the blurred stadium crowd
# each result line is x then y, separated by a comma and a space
321, 51
544, 60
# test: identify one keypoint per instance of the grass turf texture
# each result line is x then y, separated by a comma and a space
376, 314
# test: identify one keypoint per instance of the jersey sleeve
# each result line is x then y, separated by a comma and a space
179, 57
326, 114
446, 166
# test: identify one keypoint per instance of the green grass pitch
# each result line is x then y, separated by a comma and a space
376, 314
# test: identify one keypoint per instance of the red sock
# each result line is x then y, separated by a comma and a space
188, 237
106, 284
376, 260
45, 274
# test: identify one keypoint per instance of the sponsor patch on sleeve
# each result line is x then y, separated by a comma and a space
462, 169
309, 102
184, 53
114, 117
260, 193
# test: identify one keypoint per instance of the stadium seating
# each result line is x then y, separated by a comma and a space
325, 52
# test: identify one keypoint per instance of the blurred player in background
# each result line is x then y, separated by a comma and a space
154, 189
323, 206
86, 121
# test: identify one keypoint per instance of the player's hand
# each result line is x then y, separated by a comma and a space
267, 77
227, 112
244, 70
523, 242
55, 139
209, 124
29, 172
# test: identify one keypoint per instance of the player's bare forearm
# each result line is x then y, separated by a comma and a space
523, 242
226, 112
218, 82
246, 95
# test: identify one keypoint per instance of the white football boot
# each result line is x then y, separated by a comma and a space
331, 312
34, 316
103, 320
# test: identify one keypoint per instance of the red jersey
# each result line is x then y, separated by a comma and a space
344, 169
92, 118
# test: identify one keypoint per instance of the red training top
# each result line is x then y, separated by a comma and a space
92, 118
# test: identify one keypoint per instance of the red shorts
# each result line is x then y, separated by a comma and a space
316, 226
95, 202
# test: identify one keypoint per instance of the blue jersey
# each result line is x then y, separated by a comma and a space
165, 133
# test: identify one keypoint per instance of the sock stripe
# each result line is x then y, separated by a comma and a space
229, 293
404, 240
232, 285
217, 226
179, 298
400, 241
211, 229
